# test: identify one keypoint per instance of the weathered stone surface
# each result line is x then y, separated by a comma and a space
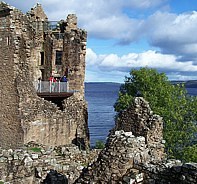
140, 120
31, 165
134, 151
137, 156
24, 116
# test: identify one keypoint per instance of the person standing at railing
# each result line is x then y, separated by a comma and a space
64, 80
52, 83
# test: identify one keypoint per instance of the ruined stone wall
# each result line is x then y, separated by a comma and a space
57, 70
30, 164
24, 116
13, 56
37, 13
122, 150
48, 50
130, 158
135, 139
74, 50
76, 109
140, 120
126, 159
39, 21
44, 123
169, 171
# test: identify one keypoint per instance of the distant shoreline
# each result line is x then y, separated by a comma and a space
188, 83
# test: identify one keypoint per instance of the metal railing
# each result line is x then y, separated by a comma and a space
58, 35
51, 87
46, 25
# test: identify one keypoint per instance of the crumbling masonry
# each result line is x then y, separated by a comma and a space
134, 153
31, 47
128, 157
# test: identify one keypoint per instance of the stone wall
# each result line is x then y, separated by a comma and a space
48, 55
121, 152
44, 123
31, 163
137, 157
38, 20
140, 120
74, 51
126, 158
14, 55
65, 37
168, 171
24, 116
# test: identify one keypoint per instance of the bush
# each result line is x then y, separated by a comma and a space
99, 144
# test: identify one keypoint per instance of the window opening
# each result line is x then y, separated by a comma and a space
58, 60
42, 58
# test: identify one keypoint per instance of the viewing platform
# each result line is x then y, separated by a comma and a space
55, 92
49, 90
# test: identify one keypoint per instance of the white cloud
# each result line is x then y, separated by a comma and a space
144, 4
114, 27
174, 34
149, 58
102, 19
163, 62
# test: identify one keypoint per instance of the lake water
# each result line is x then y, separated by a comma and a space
101, 98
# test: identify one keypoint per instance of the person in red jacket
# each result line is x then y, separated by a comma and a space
52, 83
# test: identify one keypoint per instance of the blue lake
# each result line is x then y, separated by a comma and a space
101, 98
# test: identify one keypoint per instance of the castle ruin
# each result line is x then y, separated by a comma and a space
133, 154
32, 48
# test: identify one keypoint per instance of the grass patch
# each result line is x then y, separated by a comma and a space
34, 149
99, 144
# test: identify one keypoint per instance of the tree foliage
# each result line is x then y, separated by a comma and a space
170, 101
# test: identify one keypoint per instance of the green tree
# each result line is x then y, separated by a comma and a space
172, 102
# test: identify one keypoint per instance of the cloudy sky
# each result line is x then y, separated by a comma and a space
126, 34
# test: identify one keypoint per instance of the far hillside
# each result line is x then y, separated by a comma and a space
188, 84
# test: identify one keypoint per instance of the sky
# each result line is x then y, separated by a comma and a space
130, 34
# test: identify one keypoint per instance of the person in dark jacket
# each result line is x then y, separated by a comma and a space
64, 81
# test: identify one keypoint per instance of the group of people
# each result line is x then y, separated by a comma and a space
54, 85
54, 80
62, 79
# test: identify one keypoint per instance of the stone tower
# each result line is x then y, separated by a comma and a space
33, 47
